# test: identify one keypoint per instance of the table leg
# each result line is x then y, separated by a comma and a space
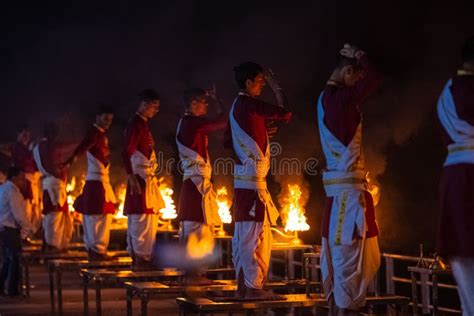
51, 288
85, 293
435, 295
144, 303
414, 295
129, 302
98, 297
59, 289
307, 275
27, 277
229, 252
287, 265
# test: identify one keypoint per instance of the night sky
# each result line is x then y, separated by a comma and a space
61, 59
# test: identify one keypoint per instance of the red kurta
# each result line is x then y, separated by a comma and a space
51, 159
193, 134
137, 137
92, 200
342, 114
22, 158
456, 229
251, 114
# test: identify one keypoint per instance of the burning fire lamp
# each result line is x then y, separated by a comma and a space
169, 211
293, 214
223, 204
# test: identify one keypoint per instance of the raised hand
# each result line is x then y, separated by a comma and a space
350, 51
272, 81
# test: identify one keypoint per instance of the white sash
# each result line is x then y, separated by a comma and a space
96, 171
460, 131
55, 187
251, 174
146, 169
199, 170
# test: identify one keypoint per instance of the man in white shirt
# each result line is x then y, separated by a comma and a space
14, 223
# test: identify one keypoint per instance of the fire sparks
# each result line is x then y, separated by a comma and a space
224, 205
200, 246
293, 209
169, 211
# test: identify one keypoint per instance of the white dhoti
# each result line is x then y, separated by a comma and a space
463, 270
97, 232
190, 227
141, 235
349, 259
58, 228
251, 251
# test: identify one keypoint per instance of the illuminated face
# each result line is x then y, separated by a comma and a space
104, 120
149, 109
199, 106
254, 87
352, 76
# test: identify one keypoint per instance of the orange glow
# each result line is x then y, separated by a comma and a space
198, 247
293, 209
120, 192
224, 204
169, 211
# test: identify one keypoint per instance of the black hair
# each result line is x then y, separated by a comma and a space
51, 130
346, 61
148, 95
104, 109
22, 128
245, 71
13, 172
468, 50
192, 94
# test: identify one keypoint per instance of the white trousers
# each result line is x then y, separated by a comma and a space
251, 250
141, 235
97, 232
58, 228
463, 270
347, 270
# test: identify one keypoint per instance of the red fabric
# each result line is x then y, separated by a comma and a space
97, 143
342, 105
372, 229
251, 114
137, 137
48, 206
92, 200
190, 203
194, 132
23, 158
136, 203
456, 229
51, 159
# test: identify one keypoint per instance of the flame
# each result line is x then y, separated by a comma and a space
293, 208
198, 247
120, 193
169, 211
73, 190
224, 205
373, 189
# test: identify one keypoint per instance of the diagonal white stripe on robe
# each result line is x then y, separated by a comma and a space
348, 264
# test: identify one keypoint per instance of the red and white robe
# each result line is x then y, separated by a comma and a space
197, 210
22, 158
456, 231
254, 210
140, 159
97, 201
350, 254
57, 222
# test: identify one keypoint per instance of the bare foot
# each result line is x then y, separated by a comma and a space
258, 294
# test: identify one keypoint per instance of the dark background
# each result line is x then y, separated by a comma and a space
61, 59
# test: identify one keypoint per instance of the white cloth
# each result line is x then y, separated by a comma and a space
96, 171
13, 209
34, 205
251, 174
146, 169
251, 251
97, 232
55, 187
460, 131
58, 228
463, 270
348, 264
188, 227
199, 170
141, 235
